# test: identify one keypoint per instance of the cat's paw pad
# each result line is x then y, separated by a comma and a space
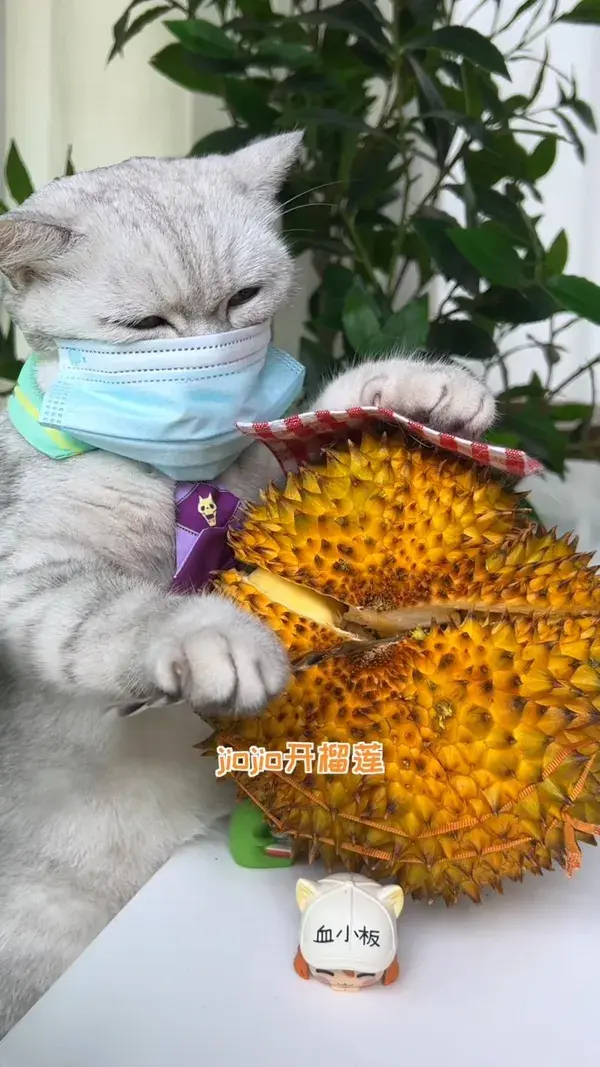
221, 661
440, 395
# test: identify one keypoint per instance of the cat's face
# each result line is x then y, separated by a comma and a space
151, 248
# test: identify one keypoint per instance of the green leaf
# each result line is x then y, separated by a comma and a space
533, 387
318, 363
124, 31
305, 81
513, 306
434, 232
321, 116
10, 367
407, 329
492, 254
551, 353
360, 319
459, 337
381, 247
502, 209
578, 295
537, 433
506, 158
284, 54
362, 57
586, 13
316, 242
541, 159
247, 100
257, 9
352, 17
17, 176
571, 412
331, 295
522, 8
222, 142
557, 255
474, 127
371, 172
440, 133
466, 42
582, 110
539, 81
69, 166
201, 75
472, 90
119, 29
503, 438
203, 37
572, 134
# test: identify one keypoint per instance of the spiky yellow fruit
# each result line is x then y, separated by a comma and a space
432, 624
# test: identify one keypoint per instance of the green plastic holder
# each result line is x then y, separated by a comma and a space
251, 841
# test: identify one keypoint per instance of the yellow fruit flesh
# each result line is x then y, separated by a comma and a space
489, 718
301, 635
294, 597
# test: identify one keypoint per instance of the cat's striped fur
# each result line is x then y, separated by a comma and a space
92, 802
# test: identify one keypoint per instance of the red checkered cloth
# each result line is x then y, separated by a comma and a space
300, 438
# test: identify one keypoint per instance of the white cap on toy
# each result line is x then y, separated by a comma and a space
348, 923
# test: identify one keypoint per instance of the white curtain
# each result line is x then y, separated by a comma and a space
60, 92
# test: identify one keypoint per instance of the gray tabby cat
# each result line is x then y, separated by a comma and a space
91, 802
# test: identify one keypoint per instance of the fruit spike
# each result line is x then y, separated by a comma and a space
423, 611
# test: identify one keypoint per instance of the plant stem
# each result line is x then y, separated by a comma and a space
572, 377
429, 195
360, 248
449, 296
566, 325
393, 286
465, 20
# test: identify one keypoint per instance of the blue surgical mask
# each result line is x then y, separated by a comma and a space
172, 404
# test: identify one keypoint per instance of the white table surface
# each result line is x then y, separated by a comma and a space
197, 970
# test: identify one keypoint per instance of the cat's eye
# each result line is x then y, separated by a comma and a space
151, 322
243, 296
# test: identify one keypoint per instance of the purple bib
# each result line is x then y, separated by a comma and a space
204, 514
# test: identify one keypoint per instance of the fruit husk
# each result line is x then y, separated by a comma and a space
444, 624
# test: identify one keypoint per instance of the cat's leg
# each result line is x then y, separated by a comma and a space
442, 395
46, 925
91, 632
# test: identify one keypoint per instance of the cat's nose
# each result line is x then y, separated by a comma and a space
200, 327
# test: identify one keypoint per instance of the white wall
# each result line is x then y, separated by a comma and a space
59, 91
569, 191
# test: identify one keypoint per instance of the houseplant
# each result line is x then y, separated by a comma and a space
383, 97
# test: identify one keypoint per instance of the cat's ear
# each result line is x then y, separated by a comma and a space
263, 165
29, 245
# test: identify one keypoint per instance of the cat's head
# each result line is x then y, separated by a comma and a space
151, 248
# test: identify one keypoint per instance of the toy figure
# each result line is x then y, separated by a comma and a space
348, 931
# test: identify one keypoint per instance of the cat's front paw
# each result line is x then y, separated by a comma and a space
219, 659
441, 395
